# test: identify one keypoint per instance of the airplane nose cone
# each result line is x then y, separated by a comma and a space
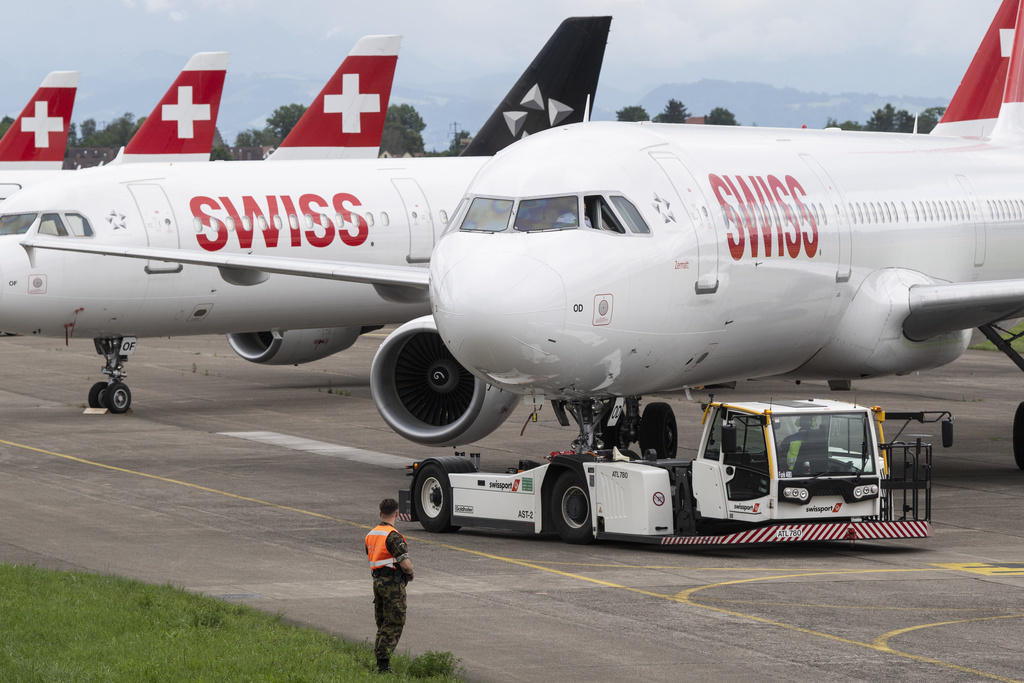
501, 327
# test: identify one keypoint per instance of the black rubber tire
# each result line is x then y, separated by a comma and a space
432, 499
1018, 436
658, 430
570, 509
117, 398
96, 392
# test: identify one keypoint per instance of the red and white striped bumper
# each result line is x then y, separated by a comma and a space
839, 531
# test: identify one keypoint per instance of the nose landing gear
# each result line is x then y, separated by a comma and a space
114, 394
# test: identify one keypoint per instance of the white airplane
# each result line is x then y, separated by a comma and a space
599, 262
382, 214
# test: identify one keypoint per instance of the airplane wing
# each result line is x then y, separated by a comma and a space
182, 125
38, 137
940, 308
249, 269
346, 120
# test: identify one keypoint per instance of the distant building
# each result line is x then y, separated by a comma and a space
699, 120
87, 157
256, 153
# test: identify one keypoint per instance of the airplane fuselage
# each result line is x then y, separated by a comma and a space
770, 252
353, 211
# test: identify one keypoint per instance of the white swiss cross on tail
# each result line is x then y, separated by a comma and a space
182, 125
351, 104
346, 120
186, 112
39, 136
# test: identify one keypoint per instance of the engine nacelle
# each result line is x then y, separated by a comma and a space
423, 393
869, 340
292, 347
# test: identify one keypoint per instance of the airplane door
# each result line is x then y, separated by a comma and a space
835, 200
421, 225
690, 196
161, 228
978, 218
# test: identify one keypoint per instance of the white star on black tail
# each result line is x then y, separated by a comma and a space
534, 99
117, 221
663, 208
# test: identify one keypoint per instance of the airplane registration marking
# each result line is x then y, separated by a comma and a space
41, 125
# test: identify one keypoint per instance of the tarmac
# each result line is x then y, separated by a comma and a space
257, 484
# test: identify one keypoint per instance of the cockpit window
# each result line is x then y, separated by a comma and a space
549, 213
51, 224
79, 225
599, 215
630, 215
16, 223
488, 215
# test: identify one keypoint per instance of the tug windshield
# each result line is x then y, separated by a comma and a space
810, 444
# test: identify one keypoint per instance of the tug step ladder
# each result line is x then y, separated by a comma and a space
908, 490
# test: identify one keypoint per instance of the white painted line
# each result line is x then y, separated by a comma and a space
296, 443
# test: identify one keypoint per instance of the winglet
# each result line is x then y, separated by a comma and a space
554, 88
39, 136
346, 120
182, 125
975, 107
1010, 124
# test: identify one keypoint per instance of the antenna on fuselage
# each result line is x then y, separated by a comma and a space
915, 123
586, 111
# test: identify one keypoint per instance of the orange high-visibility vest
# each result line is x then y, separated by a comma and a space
377, 549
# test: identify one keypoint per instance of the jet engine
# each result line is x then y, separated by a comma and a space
869, 339
293, 347
425, 395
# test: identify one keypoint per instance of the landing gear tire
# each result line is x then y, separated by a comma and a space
570, 509
97, 394
1018, 436
117, 398
658, 430
433, 500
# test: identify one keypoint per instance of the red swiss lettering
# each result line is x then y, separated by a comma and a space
306, 205
220, 236
340, 201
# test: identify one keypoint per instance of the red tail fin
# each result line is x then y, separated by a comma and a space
346, 120
38, 138
181, 127
975, 106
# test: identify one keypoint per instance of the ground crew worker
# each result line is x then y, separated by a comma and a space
391, 569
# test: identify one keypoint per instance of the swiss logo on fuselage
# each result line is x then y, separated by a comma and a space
318, 231
765, 214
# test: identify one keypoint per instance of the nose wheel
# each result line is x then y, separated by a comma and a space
114, 394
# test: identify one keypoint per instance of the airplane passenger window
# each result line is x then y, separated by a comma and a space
293, 221
888, 213
230, 222
261, 223
50, 224
16, 223
309, 221
278, 223
339, 219
443, 215
487, 215
197, 223
548, 213
906, 214
79, 225
384, 220
598, 214
369, 219
246, 224
215, 224
632, 218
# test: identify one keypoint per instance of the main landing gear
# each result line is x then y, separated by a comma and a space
617, 423
1004, 345
113, 394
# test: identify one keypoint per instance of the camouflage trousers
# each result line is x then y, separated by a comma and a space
389, 610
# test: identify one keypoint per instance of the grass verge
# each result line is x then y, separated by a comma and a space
72, 626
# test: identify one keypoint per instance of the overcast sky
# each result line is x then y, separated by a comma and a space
890, 47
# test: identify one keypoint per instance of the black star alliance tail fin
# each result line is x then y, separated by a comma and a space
554, 88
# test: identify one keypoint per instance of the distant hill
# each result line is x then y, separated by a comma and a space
766, 105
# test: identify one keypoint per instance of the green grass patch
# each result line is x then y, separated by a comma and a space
1017, 345
80, 627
